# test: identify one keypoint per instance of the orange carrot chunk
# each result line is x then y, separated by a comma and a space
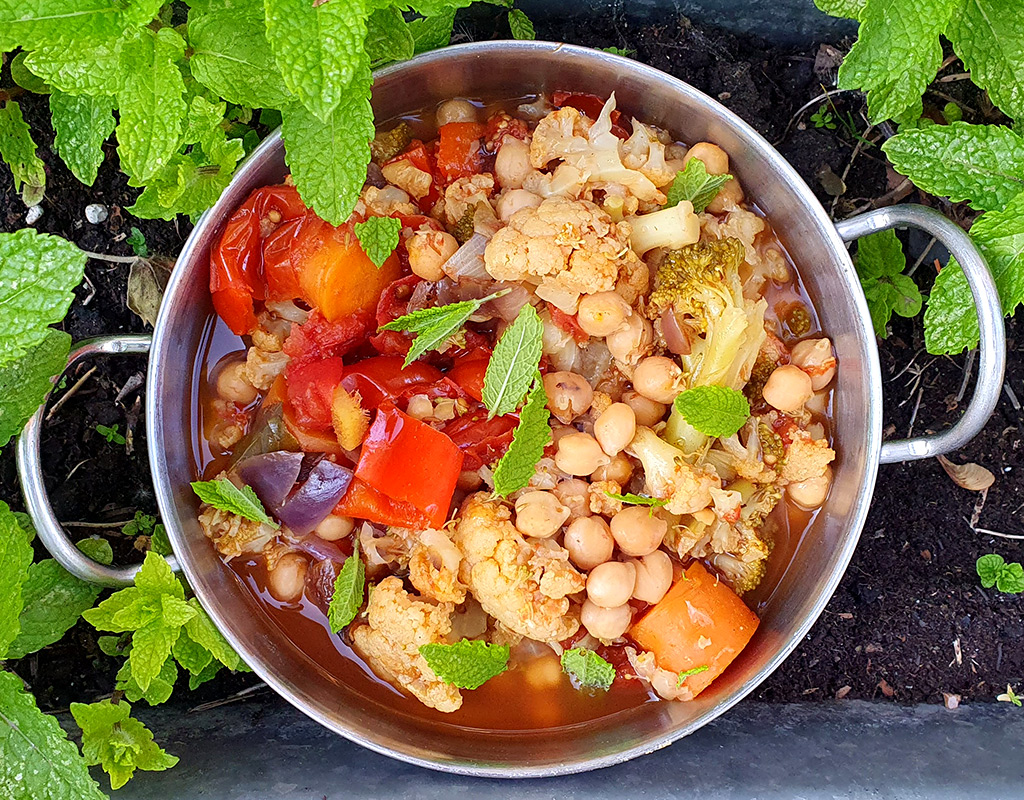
701, 622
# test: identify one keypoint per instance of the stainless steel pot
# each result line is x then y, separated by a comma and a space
817, 246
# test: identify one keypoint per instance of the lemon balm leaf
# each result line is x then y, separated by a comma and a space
695, 184
378, 237
223, 494
587, 668
25, 383
15, 558
467, 664
18, 151
714, 410
349, 590
531, 436
514, 363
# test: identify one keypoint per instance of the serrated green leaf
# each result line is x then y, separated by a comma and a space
26, 78
175, 612
520, 26
36, 758
230, 56
151, 646
81, 125
989, 36
847, 9
587, 668
430, 33
695, 184
897, 53
25, 382
513, 364
349, 591
118, 742
950, 320
637, 499
468, 664
388, 37
15, 557
714, 410
160, 688
208, 674
519, 463
189, 184
880, 263
97, 549
151, 103
18, 151
686, 673
203, 632
907, 300
31, 23
318, 49
1011, 578
114, 646
328, 161
190, 654
108, 615
223, 494
379, 237
980, 164
80, 66
53, 601
156, 578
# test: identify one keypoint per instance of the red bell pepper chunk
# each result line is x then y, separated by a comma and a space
460, 150
410, 462
362, 501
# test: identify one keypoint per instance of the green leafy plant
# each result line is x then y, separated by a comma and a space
714, 410
110, 434
512, 369
823, 119
695, 184
1009, 696
880, 264
349, 590
223, 494
587, 668
517, 466
993, 570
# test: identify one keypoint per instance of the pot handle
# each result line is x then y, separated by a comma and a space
992, 342
30, 472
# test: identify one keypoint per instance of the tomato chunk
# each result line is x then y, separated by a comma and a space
460, 150
310, 390
384, 378
482, 440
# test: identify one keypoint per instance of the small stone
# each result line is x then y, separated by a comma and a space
952, 701
33, 214
96, 213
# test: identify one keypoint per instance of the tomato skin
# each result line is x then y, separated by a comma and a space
410, 462
317, 338
568, 323
394, 303
482, 440
501, 126
459, 150
362, 501
384, 378
591, 105
469, 371
310, 388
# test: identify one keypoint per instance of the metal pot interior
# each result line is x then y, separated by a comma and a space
496, 69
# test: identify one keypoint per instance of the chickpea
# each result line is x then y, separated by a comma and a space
810, 493
653, 576
787, 388
579, 454
288, 577
428, 251
605, 623
730, 195
611, 584
814, 356
233, 386
544, 672
629, 343
515, 200
614, 429
589, 542
619, 470
602, 313
334, 527
569, 395
648, 412
572, 492
456, 111
512, 163
637, 532
539, 514
716, 160
658, 378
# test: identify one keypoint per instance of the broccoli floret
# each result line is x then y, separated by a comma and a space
773, 450
798, 320
388, 144
742, 576
763, 367
700, 279
463, 230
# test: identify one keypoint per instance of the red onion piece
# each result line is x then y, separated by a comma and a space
675, 337
310, 504
271, 476
468, 260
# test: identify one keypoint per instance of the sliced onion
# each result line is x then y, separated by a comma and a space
594, 361
271, 476
287, 310
468, 260
310, 504
508, 306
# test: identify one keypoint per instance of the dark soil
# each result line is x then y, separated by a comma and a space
911, 593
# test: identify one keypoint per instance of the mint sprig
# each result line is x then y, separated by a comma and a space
378, 237
467, 664
18, 151
880, 264
223, 494
714, 410
349, 590
513, 363
587, 668
695, 184
519, 463
637, 499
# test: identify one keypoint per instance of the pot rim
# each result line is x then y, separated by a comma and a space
206, 227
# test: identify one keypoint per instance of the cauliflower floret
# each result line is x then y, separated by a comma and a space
600, 502
524, 585
568, 247
233, 535
806, 457
405, 176
668, 476
387, 201
643, 151
732, 459
465, 193
560, 134
398, 625
666, 684
262, 367
434, 568
738, 224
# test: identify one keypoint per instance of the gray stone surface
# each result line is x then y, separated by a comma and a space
264, 750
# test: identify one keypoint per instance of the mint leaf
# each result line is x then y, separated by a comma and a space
53, 601
150, 103
388, 37
117, 742
714, 410
231, 57
520, 25
151, 645
693, 183
190, 183
80, 66
15, 557
160, 688
434, 326
25, 383
202, 631
1011, 578
26, 78
432, 32
950, 321
208, 674
19, 153
319, 50
37, 758
531, 436
468, 664
81, 125
97, 549
686, 673
880, 263
513, 365
637, 499
349, 589
328, 161
223, 494
625, 52
156, 578
989, 37
848, 9
31, 23
137, 242
982, 164
897, 53
190, 654
378, 237
587, 668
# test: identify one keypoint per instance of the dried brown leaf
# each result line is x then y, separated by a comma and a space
146, 282
970, 476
